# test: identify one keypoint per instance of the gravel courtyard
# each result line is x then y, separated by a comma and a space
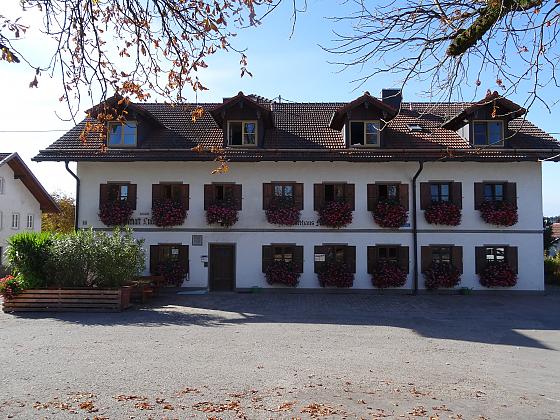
266, 356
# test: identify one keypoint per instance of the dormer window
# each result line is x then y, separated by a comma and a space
486, 133
364, 133
122, 134
242, 133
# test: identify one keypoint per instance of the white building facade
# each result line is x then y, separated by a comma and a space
275, 152
22, 200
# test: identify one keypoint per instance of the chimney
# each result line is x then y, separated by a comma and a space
392, 97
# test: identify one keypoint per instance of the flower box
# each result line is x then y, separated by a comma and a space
281, 272
69, 300
335, 214
441, 275
497, 274
282, 213
167, 212
174, 272
390, 214
335, 275
222, 214
499, 213
387, 274
115, 213
443, 213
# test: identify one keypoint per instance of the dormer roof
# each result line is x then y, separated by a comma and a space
119, 103
338, 117
492, 98
251, 101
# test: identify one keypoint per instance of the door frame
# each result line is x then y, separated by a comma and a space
234, 246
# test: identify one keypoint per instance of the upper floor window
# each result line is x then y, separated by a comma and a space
493, 192
364, 133
30, 221
1, 185
488, 132
242, 133
388, 192
439, 192
223, 195
118, 192
122, 134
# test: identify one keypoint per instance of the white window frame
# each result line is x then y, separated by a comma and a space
500, 143
243, 142
121, 144
30, 222
16, 218
2, 185
365, 123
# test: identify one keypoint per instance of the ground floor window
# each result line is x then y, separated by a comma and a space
170, 261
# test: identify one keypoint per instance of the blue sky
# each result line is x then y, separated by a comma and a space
295, 68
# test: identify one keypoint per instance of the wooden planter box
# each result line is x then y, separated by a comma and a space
69, 300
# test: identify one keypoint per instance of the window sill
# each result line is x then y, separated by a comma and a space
364, 146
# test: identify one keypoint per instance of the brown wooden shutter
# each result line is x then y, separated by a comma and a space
318, 196
103, 194
266, 256
298, 196
268, 191
185, 195
457, 194
457, 257
372, 194
132, 195
480, 258
512, 259
184, 256
403, 195
426, 257
371, 258
350, 257
349, 195
298, 258
478, 195
156, 192
404, 263
511, 193
238, 196
425, 195
318, 265
154, 258
208, 195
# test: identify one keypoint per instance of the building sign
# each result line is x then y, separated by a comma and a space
320, 257
138, 221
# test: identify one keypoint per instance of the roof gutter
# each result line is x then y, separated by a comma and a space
414, 226
77, 211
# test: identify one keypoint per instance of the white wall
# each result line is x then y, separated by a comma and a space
16, 199
252, 230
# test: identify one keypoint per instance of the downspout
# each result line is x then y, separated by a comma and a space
77, 212
414, 228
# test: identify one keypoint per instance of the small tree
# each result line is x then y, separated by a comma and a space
548, 239
62, 222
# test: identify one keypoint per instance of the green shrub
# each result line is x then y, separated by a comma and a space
552, 269
28, 256
81, 259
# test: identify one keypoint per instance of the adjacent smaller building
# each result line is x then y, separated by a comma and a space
22, 200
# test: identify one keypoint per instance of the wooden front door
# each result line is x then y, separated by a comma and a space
222, 267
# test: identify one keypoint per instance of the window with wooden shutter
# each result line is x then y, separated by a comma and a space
116, 191
336, 254
425, 195
268, 192
103, 194
478, 195
371, 259
298, 258
154, 258
208, 196
298, 196
266, 256
457, 194
350, 258
496, 253
319, 251
288, 193
457, 258
329, 192
237, 196
404, 262
171, 191
132, 196
318, 196
495, 191
223, 194
511, 193
425, 257
283, 252
163, 253
403, 195
372, 196
349, 195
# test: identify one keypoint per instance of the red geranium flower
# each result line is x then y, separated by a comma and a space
335, 274
282, 212
168, 212
499, 213
443, 213
390, 214
223, 214
335, 214
115, 213
441, 275
282, 272
498, 274
388, 274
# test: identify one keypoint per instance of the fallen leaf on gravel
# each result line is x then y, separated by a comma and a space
287, 406
318, 410
209, 407
100, 418
144, 406
38, 405
168, 407
129, 397
361, 402
418, 411
441, 408
88, 406
189, 391
160, 400
434, 417
417, 393
480, 394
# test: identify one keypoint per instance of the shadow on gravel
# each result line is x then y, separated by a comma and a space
484, 319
